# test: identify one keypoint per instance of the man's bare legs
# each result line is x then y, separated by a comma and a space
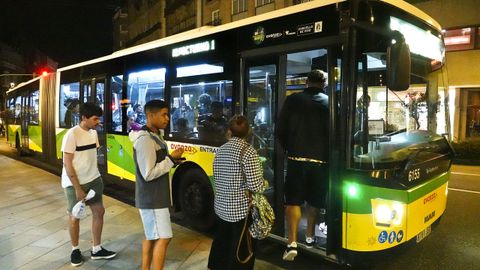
98, 211
159, 253
312, 213
294, 214
147, 253
74, 230
154, 253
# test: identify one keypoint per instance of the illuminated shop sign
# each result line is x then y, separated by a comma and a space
420, 41
459, 39
205, 46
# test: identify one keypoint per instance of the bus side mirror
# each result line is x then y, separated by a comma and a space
398, 64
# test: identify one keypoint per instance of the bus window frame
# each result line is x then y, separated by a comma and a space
30, 97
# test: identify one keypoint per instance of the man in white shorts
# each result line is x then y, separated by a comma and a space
79, 175
152, 190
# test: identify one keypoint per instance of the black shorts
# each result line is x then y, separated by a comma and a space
306, 182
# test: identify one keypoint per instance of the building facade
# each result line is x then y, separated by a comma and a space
19, 66
11, 62
461, 21
138, 22
141, 21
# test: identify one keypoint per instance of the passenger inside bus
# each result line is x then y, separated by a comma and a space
132, 124
139, 114
72, 117
214, 124
303, 132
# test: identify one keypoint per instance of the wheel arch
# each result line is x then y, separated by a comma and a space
177, 179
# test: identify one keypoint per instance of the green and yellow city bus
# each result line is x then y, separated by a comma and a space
389, 117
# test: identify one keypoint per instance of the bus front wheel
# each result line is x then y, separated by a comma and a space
196, 199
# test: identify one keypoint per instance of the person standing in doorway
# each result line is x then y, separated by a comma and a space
303, 132
152, 190
79, 175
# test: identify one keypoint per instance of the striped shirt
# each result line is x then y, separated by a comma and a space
83, 145
231, 202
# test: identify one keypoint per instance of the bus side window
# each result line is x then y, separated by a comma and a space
69, 104
117, 93
142, 87
201, 110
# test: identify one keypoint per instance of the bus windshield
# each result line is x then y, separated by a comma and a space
391, 126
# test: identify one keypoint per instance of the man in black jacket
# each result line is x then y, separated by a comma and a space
303, 132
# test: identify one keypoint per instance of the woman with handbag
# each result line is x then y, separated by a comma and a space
237, 171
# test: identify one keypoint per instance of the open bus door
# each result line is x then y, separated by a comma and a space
267, 81
260, 107
24, 117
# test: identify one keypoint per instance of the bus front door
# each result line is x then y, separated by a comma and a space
260, 99
267, 82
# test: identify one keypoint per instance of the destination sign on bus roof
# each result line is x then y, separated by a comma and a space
204, 46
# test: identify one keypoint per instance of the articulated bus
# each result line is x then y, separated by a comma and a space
390, 156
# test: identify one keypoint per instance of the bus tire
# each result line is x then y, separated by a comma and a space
196, 199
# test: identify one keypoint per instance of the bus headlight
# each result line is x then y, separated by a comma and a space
388, 213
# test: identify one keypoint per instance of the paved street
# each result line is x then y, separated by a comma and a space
33, 231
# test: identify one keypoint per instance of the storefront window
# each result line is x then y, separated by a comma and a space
201, 110
69, 105
142, 87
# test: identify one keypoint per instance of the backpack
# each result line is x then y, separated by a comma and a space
263, 216
261, 211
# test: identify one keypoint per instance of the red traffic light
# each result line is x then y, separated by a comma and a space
44, 73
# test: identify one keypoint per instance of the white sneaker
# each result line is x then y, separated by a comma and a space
309, 242
291, 252
323, 228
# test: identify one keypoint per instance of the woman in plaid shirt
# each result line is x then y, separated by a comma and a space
236, 168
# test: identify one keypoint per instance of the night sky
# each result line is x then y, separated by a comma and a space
68, 31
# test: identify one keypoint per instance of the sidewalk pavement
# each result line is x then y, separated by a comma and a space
34, 234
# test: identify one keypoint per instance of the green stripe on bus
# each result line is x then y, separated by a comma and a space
58, 141
35, 134
360, 203
121, 152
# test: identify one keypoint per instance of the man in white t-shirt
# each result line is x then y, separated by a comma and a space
79, 175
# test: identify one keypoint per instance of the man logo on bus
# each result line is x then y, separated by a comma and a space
259, 35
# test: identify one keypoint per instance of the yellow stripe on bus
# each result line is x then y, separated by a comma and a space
33, 146
118, 171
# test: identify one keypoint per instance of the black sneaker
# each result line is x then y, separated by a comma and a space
76, 259
103, 254
309, 242
291, 252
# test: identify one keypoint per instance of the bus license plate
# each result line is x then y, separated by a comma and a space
424, 234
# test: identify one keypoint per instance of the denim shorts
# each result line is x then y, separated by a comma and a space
156, 223
96, 185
